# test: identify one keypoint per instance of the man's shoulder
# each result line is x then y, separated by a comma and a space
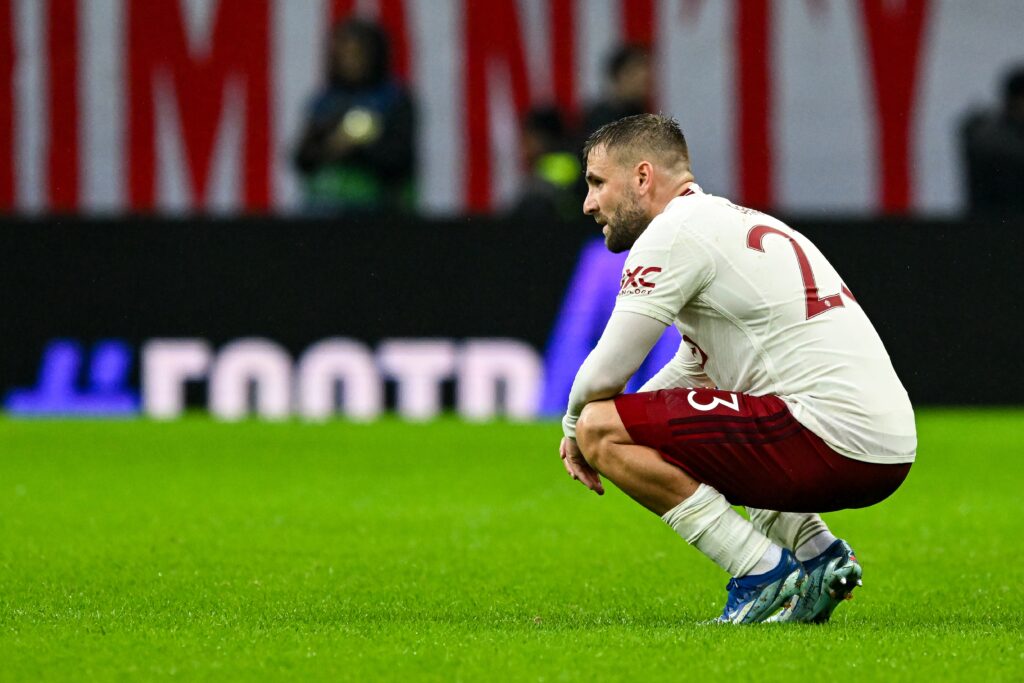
684, 220
661, 232
701, 216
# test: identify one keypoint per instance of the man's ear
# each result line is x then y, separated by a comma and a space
644, 175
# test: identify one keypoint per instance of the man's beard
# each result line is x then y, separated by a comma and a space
625, 225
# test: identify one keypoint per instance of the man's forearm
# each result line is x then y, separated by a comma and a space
626, 341
589, 386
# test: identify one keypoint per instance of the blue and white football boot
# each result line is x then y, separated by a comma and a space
831, 578
755, 598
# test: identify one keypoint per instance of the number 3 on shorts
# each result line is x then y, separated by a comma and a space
715, 402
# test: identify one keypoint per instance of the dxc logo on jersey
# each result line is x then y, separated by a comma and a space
635, 279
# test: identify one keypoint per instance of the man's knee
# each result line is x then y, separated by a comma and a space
598, 426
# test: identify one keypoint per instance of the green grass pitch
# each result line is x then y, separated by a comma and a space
447, 551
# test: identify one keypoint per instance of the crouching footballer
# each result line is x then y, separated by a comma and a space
781, 397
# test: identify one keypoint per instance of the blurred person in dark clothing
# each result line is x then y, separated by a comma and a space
629, 88
554, 186
357, 151
993, 145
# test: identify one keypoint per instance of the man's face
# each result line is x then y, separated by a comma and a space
613, 201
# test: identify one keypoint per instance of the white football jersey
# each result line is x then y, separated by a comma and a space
766, 313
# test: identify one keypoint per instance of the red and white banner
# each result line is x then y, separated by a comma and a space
111, 106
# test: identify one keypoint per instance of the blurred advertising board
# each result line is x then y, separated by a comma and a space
485, 318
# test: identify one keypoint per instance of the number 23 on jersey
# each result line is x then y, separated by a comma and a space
815, 304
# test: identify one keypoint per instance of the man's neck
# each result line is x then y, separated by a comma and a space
672, 191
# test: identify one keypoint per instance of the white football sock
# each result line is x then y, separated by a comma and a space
769, 561
815, 545
806, 534
706, 521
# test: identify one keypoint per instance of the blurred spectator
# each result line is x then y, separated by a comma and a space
993, 144
552, 189
629, 88
357, 148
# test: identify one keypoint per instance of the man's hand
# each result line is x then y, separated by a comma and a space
578, 468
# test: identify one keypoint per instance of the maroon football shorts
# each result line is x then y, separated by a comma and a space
753, 451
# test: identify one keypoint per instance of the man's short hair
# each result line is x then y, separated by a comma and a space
643, 135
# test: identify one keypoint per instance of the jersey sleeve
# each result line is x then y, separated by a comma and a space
666, 268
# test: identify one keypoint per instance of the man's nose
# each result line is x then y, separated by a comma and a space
589, 204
